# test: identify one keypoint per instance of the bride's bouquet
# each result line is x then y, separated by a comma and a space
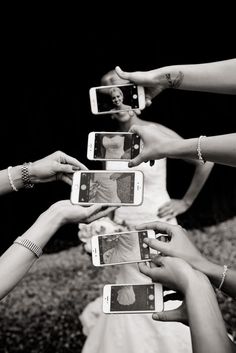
101, 226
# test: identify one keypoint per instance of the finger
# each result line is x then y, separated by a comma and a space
73, 161
166, 213
157, 245
145, 269
136, 161
157, 260
161, 227
170, 315
166, 204
67, 168
100, 214
123, 74
135, 129
93, 209
148, 101
67, 179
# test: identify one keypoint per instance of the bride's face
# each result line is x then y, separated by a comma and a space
116, 98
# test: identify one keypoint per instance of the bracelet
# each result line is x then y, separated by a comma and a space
10, 179
225, 269
25, 176
29, 245
199, 152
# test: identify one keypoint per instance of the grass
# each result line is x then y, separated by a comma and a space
42, 313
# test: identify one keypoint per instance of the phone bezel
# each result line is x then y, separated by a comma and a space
91, 145
96, 252
159, 302
138, 187
94, 103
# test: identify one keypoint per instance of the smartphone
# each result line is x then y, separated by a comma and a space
116, 98
121, 248
110, 188
110, 146
132, 298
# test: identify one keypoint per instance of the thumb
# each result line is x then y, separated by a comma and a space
136, 161
93, 209
135, 129
122, 74
170, 315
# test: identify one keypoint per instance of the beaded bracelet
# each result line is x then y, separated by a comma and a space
199, 152
10, 179
28, 244
225, 269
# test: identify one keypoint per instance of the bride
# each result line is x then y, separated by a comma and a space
138, 333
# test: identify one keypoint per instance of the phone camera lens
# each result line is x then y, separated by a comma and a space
135, 96
83, 187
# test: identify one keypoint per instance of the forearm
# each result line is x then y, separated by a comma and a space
215, 77
17, 260
214, 273
16, 177
199, 178
219, 149
206, 323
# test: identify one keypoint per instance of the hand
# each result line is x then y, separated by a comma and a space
173, 208
179, 314
179, 245
172, 272
155, 143
153, 81
56, 166
70, 213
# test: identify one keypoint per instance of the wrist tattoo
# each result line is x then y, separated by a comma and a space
176, 82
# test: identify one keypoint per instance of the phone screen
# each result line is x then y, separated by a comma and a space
107, 187
123, 97
133, 298
123, 247
116, 146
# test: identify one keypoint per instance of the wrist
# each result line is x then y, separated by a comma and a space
197, 283
44, 228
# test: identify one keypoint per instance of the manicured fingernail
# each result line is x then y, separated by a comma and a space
75, 168
155, 316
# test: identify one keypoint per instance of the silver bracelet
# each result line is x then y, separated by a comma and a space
10, 179
199, 152
25, 176
223, 276
28, 244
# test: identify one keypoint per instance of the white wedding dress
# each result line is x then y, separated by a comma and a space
136, 333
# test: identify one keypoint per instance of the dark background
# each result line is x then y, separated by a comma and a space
45, 107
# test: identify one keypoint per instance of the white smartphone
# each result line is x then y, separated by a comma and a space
121, 248
110, 188
116, 98
110, 146
132, 298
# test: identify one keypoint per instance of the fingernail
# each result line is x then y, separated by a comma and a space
75, 168
155, 316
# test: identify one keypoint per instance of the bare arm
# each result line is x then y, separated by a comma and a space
158, 144
182, 247
215, 77
56, 166
208, 331
17, 260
